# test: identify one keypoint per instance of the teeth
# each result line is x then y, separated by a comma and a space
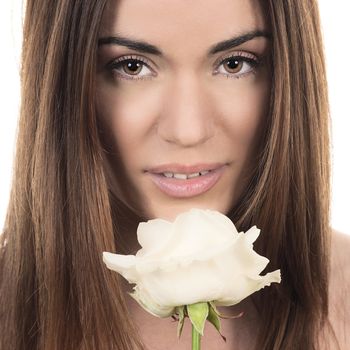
168, 174
190, 176
180, 176
185, 176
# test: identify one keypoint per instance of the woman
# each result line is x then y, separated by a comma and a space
140, 109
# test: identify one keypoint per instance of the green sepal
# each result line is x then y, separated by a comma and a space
180, 310
213, 317
198, 313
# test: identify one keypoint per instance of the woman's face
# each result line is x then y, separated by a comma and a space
182, 102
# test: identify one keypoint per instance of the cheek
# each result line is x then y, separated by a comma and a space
128, 115
243, 110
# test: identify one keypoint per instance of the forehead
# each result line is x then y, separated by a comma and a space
193, 24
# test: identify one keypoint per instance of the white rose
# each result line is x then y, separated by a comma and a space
197, 258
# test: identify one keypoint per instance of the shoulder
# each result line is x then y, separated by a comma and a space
339, 287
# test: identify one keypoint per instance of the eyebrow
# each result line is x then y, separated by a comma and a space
142, 46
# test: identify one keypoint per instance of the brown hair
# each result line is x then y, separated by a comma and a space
55, 291
289, 196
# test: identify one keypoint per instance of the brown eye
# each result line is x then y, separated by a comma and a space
238, 66
232, 65
132, 67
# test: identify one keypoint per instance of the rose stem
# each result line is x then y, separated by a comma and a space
196, 339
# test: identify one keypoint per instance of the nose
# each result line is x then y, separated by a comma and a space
186, 118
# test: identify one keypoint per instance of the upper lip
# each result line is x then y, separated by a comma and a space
184, 169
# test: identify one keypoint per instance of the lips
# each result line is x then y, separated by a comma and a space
183, 181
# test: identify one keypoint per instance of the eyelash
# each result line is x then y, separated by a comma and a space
248, 58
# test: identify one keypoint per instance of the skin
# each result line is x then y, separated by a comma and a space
241, 332
183, 113
186, 115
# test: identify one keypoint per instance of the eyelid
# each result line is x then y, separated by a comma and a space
131, 57
240, 53
244, 54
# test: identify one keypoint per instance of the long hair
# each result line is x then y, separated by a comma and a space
55, 292
289, 194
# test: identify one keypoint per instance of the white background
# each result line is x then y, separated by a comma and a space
335, 23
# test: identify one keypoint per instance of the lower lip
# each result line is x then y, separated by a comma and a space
187, 188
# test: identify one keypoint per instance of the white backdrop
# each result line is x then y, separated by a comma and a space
335, 20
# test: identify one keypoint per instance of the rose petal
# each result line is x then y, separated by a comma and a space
193, 235
248, 286
252, 234
153, 235
123, 264
146, 301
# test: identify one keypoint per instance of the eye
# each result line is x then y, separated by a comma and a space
238, 65
131, 67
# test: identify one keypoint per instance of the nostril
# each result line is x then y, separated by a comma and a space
188, 134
